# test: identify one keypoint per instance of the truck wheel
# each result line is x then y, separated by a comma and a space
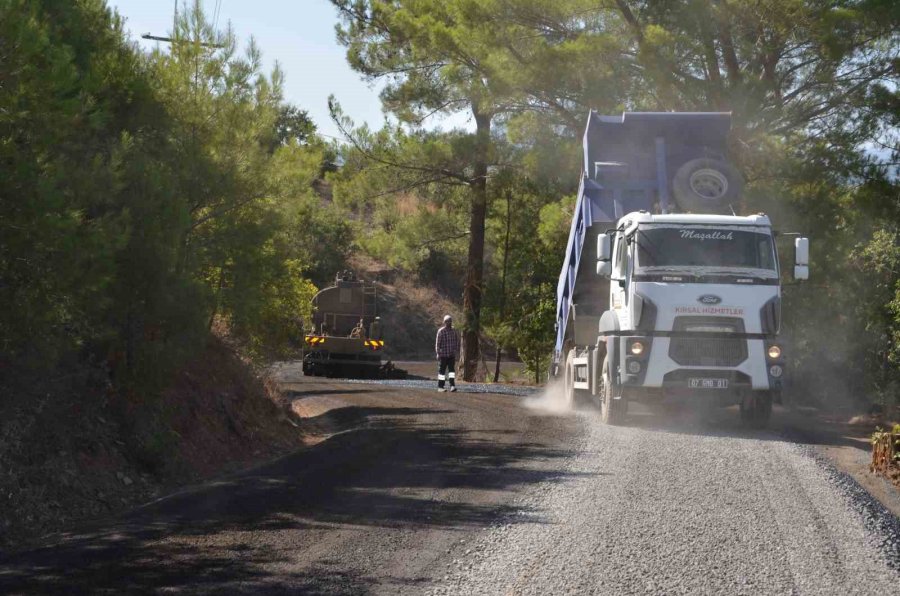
612, 411
575, 398
756, 409
569, 379
707, 186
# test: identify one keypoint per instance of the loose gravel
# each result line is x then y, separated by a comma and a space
686, 511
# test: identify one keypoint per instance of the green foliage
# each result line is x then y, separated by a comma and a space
435, 55
879, 259
248, 165
439, 56
812, 87
840, 324
293, 125
413, 215
145, 196
533, 335
522, 318
880, 432
82, 142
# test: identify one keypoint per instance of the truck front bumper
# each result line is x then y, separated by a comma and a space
654, 364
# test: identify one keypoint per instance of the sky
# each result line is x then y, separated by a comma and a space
299, 34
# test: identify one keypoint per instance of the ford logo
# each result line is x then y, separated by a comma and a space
709, 299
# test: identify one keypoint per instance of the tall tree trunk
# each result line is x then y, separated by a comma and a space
503, 283
475, 266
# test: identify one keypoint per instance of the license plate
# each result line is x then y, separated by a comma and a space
707, 383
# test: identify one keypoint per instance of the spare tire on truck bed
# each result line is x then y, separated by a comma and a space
707, 185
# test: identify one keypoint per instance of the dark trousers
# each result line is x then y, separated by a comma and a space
447, 370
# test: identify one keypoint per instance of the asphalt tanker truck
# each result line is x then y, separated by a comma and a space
347, 339
664, 292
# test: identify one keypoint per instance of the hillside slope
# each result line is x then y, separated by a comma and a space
74, 450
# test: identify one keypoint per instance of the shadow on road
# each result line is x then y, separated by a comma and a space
127, 567
246, 533
349, 418
297, 394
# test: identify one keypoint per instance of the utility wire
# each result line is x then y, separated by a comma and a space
175, 28
216, 15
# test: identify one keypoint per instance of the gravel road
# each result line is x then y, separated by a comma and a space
688, 511
475, 492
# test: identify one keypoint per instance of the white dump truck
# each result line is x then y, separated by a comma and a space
655, 305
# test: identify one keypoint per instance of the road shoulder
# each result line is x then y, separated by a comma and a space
845, 446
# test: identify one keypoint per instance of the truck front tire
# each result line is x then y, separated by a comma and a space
756, 409
613, 404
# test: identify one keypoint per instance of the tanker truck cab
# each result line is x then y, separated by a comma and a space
694, 312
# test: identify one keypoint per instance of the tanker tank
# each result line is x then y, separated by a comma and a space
347, 339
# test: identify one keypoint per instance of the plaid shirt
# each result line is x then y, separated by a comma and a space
447, 342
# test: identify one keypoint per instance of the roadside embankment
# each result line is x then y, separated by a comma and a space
72, 449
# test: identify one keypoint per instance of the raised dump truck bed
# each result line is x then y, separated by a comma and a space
657, 305
629, 163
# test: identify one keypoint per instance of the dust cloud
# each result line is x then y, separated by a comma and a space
551, 399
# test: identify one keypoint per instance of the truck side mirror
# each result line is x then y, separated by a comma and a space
604, 269
604, 248
801, 259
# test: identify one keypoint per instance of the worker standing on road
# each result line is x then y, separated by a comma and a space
446, 347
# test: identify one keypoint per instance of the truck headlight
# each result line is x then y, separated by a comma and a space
636, 348
634, 367
776, 371
774, 352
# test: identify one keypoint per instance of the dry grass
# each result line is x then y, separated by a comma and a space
886, 454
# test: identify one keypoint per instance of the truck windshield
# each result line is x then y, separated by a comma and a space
705, 246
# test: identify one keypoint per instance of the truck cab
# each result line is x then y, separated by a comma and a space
675, 305
695, 307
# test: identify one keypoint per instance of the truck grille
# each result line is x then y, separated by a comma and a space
708, 351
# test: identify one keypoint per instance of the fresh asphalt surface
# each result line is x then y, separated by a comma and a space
474, 492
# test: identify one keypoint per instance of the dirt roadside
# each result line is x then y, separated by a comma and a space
846, 445
71, 452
